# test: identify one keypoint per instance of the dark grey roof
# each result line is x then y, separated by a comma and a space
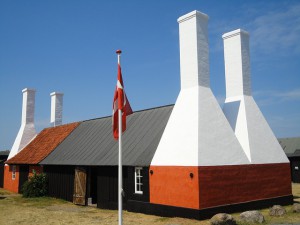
291, 146
4, 153
92, 142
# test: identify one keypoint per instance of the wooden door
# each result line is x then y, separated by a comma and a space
79, 186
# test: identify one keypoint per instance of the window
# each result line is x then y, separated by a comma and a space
13, 175
138, 180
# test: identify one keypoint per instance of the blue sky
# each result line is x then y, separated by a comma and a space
69, 46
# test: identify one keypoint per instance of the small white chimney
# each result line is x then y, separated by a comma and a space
237, 63
250, 127
27, 130
56, 108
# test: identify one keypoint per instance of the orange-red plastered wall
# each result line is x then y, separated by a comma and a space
11, 184
211, 186
175, 186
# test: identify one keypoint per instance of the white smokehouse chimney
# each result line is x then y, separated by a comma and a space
250, 127
194, 52
27, 130
197, 133
56, 108
237, 63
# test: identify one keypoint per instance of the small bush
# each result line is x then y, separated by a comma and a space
36, 186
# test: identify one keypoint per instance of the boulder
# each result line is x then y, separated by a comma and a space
252, 217
222, 219
277, 210
296, 207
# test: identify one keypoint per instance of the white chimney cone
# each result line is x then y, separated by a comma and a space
252, 130
27, 130
56, 108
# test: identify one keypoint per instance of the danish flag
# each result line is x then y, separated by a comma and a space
120, 103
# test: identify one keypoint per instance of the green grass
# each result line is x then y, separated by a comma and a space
5, 192
53, 211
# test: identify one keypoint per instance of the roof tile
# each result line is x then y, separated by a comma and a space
43, 144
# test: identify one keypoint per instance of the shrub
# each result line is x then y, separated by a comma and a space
35, 186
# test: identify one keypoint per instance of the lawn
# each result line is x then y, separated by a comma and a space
14, 209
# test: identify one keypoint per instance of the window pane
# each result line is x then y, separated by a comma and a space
138, 180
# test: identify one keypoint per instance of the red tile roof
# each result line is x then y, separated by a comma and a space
43, 144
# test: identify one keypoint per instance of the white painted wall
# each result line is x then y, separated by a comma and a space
198, 134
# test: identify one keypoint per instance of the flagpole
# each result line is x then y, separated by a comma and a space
120, 176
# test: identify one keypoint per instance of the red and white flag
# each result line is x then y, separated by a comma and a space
120, 102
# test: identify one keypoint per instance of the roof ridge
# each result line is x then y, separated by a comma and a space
141, 110
66, 124
288, 138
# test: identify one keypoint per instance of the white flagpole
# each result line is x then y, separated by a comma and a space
120, 176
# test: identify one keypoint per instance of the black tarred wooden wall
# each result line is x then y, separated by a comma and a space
60, 181
1, 174
107, 186
295, 169
2, 160
23, 176
131, 188
61, 184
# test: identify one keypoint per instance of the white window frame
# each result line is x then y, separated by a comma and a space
138, 185
14, 170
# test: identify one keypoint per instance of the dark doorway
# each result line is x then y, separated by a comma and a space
1, 174
23, 171
92, 185
295, 169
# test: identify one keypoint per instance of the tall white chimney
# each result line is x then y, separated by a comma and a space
197, 133
56, 108
237, 65
250, 127
194, 52
27, 130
